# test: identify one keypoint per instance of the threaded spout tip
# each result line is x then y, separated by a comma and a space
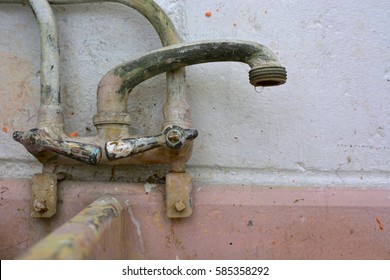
268, 76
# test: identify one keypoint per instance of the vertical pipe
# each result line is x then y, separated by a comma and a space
50, 112
49, 51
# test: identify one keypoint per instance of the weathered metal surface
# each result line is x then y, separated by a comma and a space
87, 235
172, 136
178, 195
266, 76
176, 95
113, 92
170, 58
43, 195
50, 56
50, 114
112, 119
37, 141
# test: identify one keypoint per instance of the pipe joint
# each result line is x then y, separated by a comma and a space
103, 118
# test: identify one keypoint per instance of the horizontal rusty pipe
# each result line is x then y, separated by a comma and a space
98, 226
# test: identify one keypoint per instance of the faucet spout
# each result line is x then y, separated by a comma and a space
115, 86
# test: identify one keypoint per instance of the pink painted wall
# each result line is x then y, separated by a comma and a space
229, 222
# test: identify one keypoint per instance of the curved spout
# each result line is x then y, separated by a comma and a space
115, 86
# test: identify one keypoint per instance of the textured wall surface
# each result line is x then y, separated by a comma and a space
328, 125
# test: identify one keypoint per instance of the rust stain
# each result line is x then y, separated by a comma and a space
379, 223
4, 129
208, 14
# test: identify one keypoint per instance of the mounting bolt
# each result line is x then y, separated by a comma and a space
180, 206
39, 205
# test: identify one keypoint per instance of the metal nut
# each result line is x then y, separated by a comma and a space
180, 206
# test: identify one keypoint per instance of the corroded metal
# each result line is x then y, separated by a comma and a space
80, 237
115, 86
267, 76
178, 195
43, 195
50, 117
37, 141
172, 136
50, 64
148, 8
112, 121
176, 108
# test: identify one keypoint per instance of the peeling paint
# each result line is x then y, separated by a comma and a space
137, 225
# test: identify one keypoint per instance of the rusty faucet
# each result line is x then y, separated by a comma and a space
113, 143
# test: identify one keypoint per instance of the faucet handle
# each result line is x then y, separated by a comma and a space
172, 136
37, 140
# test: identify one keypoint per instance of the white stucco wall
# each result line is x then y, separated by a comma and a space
328, 125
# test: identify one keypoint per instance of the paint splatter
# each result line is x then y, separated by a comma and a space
74, 134
379, 223
207, 13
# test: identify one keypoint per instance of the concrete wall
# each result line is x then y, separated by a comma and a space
328, 125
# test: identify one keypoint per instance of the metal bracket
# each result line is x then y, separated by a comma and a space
44, 195
178, 195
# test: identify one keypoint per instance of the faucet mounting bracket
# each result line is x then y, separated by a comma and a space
178, 195
44, 195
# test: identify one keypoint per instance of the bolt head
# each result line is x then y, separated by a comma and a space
180, 206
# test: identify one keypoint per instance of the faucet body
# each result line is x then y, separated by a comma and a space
113, 144
49, 143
